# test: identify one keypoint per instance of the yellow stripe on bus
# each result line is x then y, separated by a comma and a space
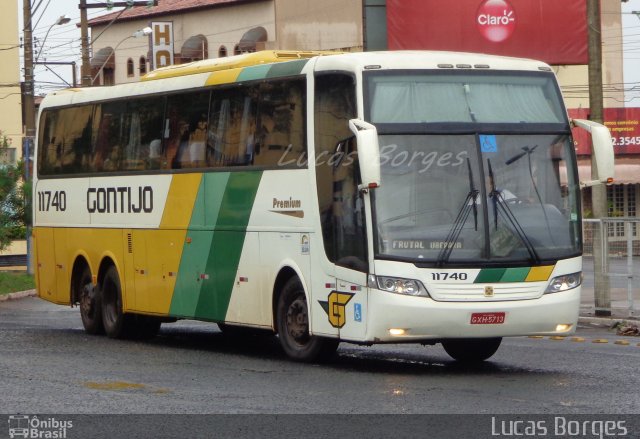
180, 201
538, 274
223, 77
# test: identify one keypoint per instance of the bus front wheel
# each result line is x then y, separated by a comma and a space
471, 350
292, 319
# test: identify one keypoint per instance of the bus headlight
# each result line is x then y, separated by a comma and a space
564, 282
398, 285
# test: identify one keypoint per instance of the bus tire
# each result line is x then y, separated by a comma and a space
116, 323
90, 302
470, 350
292, 320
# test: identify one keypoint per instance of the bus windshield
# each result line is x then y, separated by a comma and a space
464, 182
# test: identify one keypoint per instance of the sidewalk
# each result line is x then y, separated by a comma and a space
619, 306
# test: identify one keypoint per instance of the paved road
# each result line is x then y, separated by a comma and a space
49, 365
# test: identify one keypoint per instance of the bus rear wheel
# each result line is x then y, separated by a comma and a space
116, 323
292, 320
470, 350
88, 297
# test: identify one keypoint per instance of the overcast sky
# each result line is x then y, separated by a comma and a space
63, 44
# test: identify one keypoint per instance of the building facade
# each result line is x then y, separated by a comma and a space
10, 92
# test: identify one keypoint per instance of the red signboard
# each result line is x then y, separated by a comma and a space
552, 31
624, 124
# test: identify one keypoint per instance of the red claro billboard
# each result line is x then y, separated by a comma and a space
552, 31
624, 124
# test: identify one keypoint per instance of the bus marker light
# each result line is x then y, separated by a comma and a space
243, 279
204, 276
188, 240
332, 286
397, 331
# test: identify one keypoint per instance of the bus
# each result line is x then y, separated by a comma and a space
380, 197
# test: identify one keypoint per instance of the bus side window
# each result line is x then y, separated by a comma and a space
281, 124
340, 204
186, 114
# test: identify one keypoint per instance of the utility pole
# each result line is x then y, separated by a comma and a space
85, 68
29, 112
84, 30
598, 192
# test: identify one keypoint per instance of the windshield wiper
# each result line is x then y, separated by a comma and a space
467, 207
500, 206
528, 150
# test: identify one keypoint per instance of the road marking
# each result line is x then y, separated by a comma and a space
536, 336
622, 342
557, 337
600, 340
113, 385
577, 339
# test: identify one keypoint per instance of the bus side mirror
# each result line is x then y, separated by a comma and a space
601, 148
368, 153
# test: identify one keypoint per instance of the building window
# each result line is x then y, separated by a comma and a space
108, 76
622, 202
196, 48
222, 52
236, 50
143, 65
130, 68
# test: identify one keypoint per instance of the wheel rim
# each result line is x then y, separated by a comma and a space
298, 321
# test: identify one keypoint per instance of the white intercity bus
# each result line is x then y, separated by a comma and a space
392, 197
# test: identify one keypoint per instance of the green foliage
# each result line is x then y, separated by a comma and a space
14, 282
15, 200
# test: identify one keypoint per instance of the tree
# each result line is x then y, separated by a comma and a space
15, 195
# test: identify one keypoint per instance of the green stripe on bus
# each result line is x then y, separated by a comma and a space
515, 274
255, 72
487, 275
215, 184
192, 263
226, 247
212, 250
287, 68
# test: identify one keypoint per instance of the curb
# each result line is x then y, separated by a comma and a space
605, 321
18, 295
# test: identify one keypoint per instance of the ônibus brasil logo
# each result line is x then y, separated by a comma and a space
496, 20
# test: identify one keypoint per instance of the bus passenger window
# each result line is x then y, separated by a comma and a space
197, 143
281, 125
185, 112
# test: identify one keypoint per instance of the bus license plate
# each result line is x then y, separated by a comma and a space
487, 318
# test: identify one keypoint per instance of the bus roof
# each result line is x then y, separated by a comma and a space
429, 60
232, 62
273, 63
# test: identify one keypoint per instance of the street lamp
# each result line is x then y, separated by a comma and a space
137, 34
62, 20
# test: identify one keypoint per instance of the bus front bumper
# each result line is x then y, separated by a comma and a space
395, 318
